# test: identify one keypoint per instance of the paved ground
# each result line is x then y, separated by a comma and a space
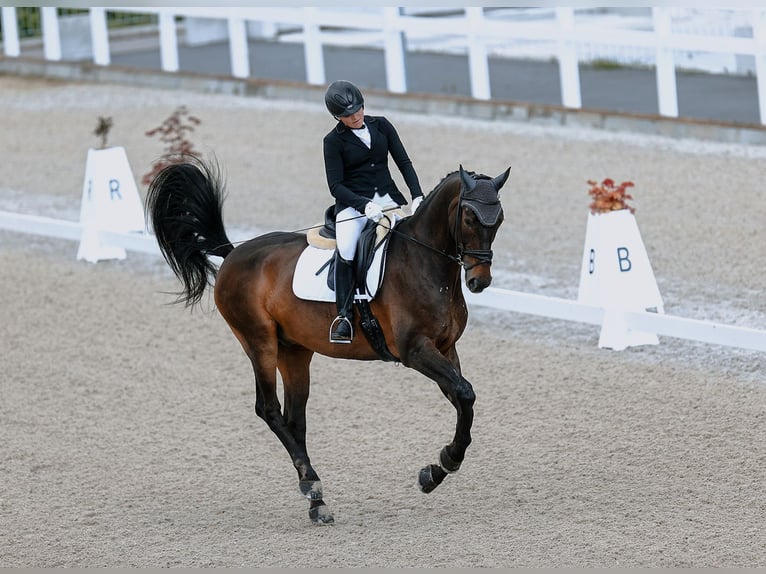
700, 95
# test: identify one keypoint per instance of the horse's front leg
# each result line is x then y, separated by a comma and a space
445, 371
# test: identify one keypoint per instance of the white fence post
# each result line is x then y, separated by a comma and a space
240, 61
667, 95
168, 41
51, 36
759, 34
478, 66
396, 76
99, 35
569, 66
11, 45
313, 48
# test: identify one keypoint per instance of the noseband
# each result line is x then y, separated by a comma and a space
487, 212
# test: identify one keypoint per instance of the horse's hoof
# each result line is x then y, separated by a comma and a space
311, 489
321, 515
430, 477
447, 462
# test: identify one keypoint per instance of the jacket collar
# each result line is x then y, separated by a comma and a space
370, 121
346, 133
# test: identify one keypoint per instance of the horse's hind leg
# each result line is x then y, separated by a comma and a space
293, 363
290, 428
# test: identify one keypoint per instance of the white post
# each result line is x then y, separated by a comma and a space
477, 54
51, 36
667, 96
396, 77
240, 61
569, 66
99, 35
168, 41
312, 46
11, 45
759, 34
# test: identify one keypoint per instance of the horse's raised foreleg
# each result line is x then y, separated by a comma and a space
445, 371
294, 364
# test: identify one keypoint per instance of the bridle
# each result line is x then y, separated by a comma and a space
483, 256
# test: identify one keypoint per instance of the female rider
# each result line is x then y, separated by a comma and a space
356, 154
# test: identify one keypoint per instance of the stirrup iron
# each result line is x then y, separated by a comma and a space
335, 322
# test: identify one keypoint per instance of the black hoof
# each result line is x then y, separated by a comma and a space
430, 477
321, 515
448, 464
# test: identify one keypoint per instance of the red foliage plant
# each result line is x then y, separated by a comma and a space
174, 133
608, 196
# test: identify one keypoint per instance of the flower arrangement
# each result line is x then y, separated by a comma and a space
102, 129
174, 133
608, 196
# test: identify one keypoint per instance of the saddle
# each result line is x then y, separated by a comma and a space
369, 263
373, 237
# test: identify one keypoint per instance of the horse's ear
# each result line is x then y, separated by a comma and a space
467, 180
500, 180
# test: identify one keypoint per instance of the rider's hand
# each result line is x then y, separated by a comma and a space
373, 211
416, 203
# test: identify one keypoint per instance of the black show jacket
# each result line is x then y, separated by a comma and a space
355, 173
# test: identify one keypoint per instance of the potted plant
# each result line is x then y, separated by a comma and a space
608, 196
174, 132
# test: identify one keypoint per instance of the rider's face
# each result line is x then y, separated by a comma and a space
355, 120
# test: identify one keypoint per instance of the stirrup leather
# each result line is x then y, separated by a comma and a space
336, 322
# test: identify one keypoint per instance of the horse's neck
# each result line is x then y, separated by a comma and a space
431, 230
432, 225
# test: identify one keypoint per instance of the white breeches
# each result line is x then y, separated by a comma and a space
349, 224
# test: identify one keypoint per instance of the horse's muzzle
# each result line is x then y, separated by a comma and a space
478, 283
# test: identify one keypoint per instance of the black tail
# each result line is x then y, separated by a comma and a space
184, 207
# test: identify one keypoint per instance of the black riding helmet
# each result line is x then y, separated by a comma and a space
343, 99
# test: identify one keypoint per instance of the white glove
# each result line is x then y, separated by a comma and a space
416, 203
373, 211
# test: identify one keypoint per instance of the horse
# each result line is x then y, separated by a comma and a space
419, 307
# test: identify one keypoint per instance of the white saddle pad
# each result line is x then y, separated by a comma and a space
312, 287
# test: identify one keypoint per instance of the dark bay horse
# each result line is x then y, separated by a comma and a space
420, 305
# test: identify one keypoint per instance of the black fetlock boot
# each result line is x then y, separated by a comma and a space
341, 330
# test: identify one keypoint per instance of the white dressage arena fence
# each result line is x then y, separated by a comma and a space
503, 299
472, 30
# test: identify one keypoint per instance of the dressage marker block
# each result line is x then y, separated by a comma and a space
617, 276
110, 202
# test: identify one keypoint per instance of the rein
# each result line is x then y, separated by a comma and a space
431, 247
483, 256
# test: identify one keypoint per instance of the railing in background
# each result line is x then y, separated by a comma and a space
393, 28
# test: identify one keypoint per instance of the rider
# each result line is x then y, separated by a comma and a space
356, 165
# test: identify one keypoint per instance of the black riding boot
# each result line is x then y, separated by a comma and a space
341, 330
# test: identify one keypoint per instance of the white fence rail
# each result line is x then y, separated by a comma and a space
473, 29
516, 301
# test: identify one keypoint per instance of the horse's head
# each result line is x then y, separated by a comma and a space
479, 215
